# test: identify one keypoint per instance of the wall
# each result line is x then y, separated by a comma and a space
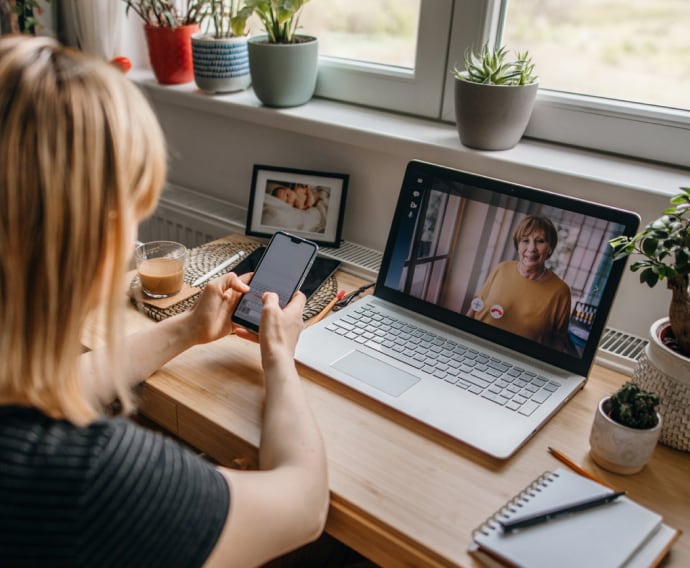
215, 154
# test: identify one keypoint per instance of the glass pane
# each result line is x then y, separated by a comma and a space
374, 31
632, 50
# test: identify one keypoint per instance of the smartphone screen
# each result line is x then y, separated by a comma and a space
320, 270
282, 269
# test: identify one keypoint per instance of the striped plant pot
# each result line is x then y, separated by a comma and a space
221, 65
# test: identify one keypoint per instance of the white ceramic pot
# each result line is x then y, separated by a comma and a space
221, 65
666, 373
618, 448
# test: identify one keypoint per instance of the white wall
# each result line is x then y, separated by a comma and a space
215, 154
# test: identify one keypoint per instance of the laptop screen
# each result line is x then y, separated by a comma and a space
523, 268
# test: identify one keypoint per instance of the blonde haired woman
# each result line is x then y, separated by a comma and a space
82, 160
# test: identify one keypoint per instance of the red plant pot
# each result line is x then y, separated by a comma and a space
170, 53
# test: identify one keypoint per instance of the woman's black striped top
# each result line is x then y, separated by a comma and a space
109, 494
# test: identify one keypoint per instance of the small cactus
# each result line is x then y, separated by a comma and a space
634, 407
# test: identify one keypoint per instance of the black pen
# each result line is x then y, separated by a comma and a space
543, 516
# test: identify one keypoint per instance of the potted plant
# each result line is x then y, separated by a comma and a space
494, 98
220, 56
626, 429
20, 16
283, 63
664, 245
169, 25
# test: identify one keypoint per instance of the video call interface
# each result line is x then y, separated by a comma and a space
471, 251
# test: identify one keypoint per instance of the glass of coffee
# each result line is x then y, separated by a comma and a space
160, 265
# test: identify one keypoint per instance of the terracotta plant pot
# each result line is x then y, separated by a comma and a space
170, 53
618, 448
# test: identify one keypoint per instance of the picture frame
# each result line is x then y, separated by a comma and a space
306, 203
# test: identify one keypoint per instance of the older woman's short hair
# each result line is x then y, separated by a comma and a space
533, 223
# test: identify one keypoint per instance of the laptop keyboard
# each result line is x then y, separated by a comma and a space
452, 362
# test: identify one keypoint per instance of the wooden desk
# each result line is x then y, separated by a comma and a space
401, 493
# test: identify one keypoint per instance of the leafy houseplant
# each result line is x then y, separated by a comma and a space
279, 18
169, 25
494, 97
167, 13
664, 366
220, 55
20, 16
229, 18
626, 429
665, 246
283, 63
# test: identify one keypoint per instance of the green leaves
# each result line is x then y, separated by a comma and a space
490, 67
279, 17
634, 407
168, 13
665, 243
26, 10
229, 17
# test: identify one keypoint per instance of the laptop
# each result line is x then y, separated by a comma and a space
487, 311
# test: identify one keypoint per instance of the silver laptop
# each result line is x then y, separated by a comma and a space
487, 310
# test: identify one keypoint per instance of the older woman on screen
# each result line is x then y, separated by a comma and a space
523, 296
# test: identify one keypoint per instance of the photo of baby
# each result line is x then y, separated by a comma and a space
300, 207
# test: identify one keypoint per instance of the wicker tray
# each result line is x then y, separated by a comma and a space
204, 258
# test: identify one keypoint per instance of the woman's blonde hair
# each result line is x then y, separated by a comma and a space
534, 223
82, 159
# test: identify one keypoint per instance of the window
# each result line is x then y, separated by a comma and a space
614, 74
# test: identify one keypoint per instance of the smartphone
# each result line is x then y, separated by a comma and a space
282, 269
320, 270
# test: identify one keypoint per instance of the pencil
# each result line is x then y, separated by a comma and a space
218, 268
323, 313
572, 465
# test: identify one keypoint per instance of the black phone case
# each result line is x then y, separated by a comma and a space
251, 325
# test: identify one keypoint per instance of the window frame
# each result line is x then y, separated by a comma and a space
447, 28
395, 88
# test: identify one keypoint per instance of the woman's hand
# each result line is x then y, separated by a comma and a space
279, 329
209, 319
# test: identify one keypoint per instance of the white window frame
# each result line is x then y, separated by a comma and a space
446, 29
417, 91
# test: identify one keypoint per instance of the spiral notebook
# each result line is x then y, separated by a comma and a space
620, 533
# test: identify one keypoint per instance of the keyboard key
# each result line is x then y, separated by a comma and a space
528, 408
541, 396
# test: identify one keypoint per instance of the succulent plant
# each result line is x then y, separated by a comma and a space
634, 407
490, 67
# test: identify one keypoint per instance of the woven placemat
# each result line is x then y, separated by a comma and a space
204, 258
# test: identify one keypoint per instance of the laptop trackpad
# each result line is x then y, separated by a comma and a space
375, 373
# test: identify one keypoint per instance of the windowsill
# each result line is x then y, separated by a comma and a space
531, 162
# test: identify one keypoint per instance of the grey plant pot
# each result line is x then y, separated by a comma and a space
283, 75
492, 117
221, 65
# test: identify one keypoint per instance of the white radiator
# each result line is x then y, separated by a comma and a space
193, 219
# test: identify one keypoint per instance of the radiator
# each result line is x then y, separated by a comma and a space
193, 219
